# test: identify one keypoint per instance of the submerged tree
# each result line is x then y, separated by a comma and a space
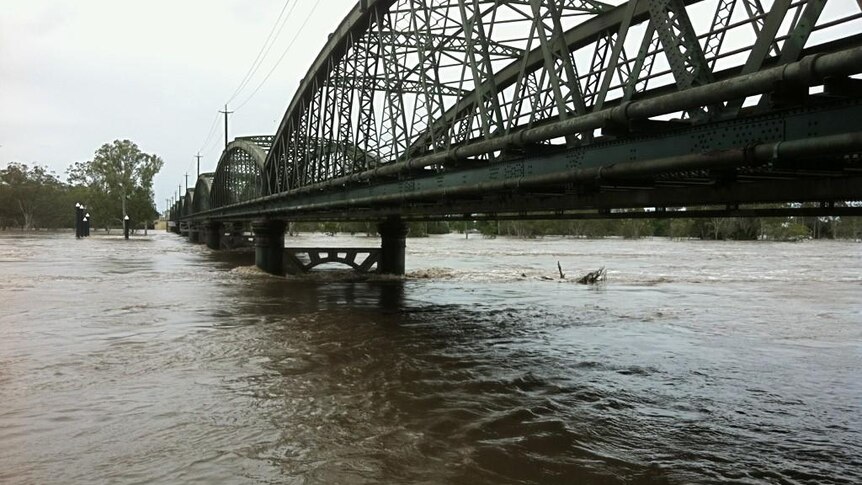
120, 179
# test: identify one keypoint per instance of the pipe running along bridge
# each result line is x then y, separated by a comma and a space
470, 109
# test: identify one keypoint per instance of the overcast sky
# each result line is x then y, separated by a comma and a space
77, 74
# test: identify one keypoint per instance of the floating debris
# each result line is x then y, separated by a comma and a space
593, 277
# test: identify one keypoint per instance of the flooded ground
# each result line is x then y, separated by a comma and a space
157, 361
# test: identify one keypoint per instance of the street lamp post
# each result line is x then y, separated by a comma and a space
79, 209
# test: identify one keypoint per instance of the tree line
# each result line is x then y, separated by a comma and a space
728, 228
118, 181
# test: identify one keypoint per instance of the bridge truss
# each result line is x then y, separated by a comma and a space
435, 108
239, 176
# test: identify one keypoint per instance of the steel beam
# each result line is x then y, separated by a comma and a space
721, 147
809, 71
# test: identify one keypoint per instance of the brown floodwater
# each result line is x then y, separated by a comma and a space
157, 361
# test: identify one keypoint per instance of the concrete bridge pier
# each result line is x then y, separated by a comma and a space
214, 232
202, 234
393, 246
269, 245
233, 235
194, 233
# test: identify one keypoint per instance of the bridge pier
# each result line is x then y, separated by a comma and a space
237, 237
195, 234
393, 246
269, 245
213, 235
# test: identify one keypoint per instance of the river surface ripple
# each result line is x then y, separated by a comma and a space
157, 361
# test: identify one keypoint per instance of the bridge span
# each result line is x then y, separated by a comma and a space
484, 109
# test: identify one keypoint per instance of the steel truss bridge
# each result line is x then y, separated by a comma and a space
469, 109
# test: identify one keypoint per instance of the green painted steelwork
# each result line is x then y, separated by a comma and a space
699, 155
431, 107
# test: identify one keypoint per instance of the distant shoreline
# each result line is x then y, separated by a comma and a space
474, 236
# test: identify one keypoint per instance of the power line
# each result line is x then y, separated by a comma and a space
265, 48
211, 132
292, 41
209, 137
207, 150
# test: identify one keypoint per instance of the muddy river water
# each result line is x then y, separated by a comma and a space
157, 361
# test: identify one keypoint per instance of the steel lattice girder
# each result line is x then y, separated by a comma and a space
400, 80
240, 174
804, 146
188, 201
425, 40
202, 200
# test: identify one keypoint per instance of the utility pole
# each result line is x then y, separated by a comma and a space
187, 180
198, 156
226, 112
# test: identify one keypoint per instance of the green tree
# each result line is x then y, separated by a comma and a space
417, 229
462, 227
849, 228
682, 228
120, 179
31, 197
437, 227
92, 191
785, 229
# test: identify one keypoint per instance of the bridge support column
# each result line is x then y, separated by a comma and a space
393, 246
269, 246
194, 234
213, 235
